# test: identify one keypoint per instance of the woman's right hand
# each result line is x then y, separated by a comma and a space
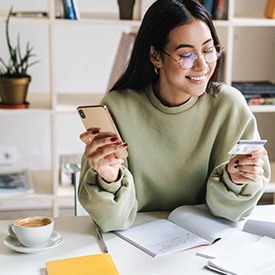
101, 151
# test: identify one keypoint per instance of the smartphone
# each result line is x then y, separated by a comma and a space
98, 116
246, 146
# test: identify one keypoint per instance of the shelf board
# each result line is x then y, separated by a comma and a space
253, 22
262, 108
41, 182
221, 23
26, 201
96, 20
270, 187
39, 102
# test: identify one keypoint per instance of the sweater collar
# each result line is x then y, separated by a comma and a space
169, 110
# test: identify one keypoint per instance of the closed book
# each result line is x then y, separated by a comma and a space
84, 265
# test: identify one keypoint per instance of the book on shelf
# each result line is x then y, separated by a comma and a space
222, 10
124, 50
260, 99
15, 182
70, 9
217, 8
83, 265
76, 10
59, 9
186, 227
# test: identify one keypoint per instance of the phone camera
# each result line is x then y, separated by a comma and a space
82, 113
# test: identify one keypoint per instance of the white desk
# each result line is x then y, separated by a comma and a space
80, 239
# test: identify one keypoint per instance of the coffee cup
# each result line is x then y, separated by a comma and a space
32, 231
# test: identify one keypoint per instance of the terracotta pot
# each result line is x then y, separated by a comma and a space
270, 9
126, 8
13, 91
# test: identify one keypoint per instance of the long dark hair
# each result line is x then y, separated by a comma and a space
159, 20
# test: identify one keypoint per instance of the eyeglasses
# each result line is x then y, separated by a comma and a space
188, 60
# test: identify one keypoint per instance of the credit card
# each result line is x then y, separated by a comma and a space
246, 146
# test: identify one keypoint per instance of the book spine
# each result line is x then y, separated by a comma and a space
76, 10
223, 10
215, 9
208, 4
69, 9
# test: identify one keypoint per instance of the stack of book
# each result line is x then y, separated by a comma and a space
257, 92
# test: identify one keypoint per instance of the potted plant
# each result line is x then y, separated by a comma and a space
14, 78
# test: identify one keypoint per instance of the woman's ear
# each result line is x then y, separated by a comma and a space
155, 57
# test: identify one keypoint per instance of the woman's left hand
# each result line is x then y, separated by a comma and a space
247, 168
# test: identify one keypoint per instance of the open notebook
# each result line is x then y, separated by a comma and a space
186, 227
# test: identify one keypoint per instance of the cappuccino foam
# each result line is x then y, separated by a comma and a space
33, 222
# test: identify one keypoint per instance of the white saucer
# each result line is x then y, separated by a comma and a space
55, 240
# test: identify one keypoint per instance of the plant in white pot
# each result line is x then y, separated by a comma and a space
14, 78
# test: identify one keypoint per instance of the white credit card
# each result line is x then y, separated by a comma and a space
246, 146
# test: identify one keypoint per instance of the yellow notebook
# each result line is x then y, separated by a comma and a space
85, 265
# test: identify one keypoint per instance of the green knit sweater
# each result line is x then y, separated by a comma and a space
177, 156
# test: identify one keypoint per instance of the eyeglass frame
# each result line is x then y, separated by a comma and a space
179, 61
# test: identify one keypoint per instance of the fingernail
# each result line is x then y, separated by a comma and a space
95, 132
237, 161
113, 139
248, 155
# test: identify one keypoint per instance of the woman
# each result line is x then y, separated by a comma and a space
179, 125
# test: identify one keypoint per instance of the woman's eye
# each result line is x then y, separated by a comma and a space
210, 50
187, 55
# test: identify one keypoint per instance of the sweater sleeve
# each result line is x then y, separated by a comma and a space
225, 198
231, 201
112, 206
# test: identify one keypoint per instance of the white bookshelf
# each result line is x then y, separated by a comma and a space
76, 61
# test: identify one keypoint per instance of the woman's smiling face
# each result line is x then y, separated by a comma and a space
176, 85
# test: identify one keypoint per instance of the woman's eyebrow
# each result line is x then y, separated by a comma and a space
191, 46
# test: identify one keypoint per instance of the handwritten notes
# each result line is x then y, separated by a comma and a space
161, 237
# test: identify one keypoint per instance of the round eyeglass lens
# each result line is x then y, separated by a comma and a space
212, 55
188, 60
